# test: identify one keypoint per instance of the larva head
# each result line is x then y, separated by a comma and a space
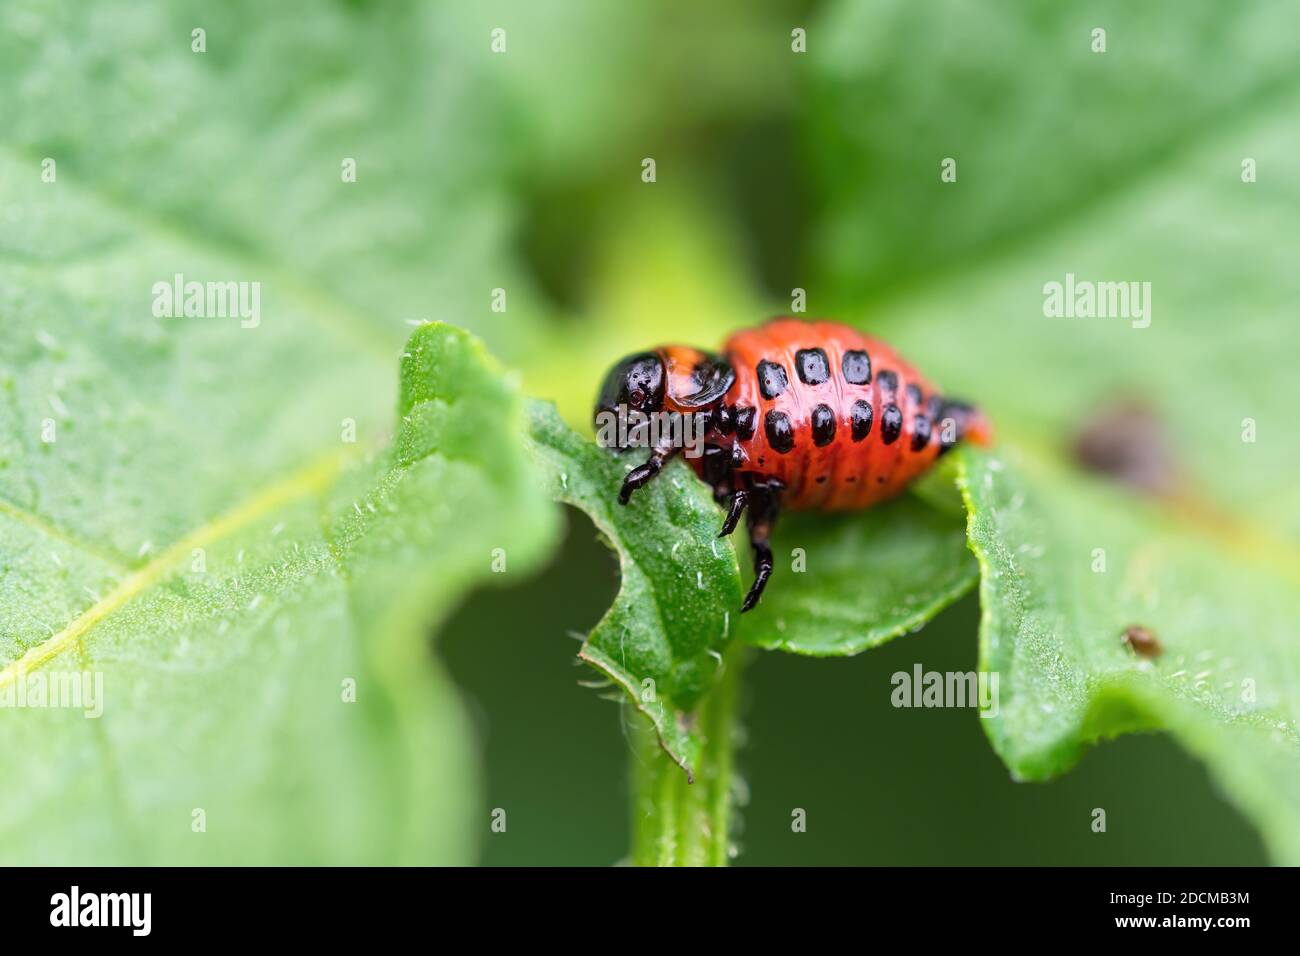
676, 379
634, 384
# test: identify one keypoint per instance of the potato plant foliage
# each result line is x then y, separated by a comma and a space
251, 535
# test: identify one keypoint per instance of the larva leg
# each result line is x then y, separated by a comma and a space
735, 506
764, 503
641, 474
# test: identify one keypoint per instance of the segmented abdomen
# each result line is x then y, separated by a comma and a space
838, 417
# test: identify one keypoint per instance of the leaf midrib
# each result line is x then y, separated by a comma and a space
325, 307
307, 480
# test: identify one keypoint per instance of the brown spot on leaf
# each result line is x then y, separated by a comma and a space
1127, 441
1142, 641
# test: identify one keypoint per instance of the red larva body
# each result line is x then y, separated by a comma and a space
842, 474
803, 415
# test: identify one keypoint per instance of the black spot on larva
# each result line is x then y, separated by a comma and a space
914, 393
857, 367
851, 479
888, 381
717, 464
823, 425
934, 407
726, 419
920, 432
737, 455
821, 479
861, 415
780, 435
891, 422
745, 422
811, 366
772, 380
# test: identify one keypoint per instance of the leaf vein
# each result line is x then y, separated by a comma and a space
305, 481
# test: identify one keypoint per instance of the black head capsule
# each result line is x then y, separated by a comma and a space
635, 384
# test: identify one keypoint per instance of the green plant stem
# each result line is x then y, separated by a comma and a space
674, 822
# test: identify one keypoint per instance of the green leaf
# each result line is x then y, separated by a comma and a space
135, 449
239, 151
1068, 564
865, 578
679, 593
228, 650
